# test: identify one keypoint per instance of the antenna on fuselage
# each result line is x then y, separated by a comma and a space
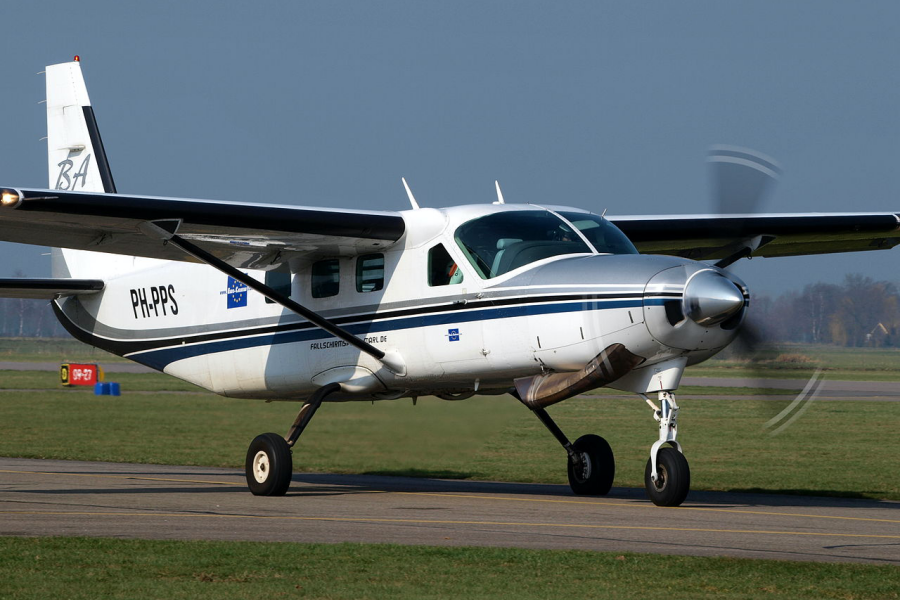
499, 193
412, 199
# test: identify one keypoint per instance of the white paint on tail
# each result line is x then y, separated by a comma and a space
74, 164
71, 158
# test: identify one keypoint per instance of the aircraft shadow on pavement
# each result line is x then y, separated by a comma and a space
329, 484
319, 482
194, 489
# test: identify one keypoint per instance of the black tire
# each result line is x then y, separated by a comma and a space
268, 466
595, 476
674, 478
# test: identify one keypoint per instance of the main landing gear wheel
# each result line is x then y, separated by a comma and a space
673, 478
594, 475
268, 466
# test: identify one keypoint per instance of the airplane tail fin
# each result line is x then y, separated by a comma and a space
76, 158
75, 151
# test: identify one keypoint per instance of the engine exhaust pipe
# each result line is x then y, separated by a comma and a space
543, 390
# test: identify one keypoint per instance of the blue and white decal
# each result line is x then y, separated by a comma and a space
236, 292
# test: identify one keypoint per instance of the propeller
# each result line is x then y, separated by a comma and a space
741, 179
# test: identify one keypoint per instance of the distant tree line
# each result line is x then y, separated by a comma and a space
859, 312
28, 318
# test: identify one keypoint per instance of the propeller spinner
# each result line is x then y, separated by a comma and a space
710, 299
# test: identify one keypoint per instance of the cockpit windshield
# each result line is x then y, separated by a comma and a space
605, 237
498, 243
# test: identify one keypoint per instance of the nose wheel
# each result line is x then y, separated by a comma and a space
673, 478
667, 477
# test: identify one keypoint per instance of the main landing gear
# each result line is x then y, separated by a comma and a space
592, 466
268, 466
667, 476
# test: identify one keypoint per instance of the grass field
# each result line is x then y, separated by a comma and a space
52, 350
76, 568
790, 361
49, 381
836, 448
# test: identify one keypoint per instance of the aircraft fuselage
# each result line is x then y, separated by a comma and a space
456, 334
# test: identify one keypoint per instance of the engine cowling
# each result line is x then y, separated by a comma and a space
695, 307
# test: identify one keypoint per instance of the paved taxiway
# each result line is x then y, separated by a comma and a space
50, 497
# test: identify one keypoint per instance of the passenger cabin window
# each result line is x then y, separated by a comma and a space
442, 268
280, 281
498, 243
326, 278
370, 273
603, 235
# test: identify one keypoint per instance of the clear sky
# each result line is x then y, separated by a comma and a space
600, 105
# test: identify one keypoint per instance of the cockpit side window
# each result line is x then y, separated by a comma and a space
442, 268
605, 237
501, 242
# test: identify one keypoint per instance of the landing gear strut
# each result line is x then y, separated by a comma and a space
591, 466
269, 466
667, 477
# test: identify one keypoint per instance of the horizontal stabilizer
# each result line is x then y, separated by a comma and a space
48, 288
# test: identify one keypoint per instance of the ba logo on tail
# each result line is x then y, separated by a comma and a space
66, 182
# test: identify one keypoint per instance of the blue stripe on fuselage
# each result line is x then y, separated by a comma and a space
158, 359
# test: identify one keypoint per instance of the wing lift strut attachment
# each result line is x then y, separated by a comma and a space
165, 230
743, 249
268, 466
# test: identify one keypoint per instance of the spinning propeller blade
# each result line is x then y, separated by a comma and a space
741, 179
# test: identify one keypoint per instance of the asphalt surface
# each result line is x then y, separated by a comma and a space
50, 497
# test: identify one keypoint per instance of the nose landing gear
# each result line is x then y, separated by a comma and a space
673, 478
667, 477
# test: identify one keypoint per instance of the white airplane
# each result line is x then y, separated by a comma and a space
283, 302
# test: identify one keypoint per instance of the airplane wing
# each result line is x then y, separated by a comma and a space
251, 235
703, 237
245, 235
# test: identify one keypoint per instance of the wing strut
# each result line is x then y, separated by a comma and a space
165, 230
